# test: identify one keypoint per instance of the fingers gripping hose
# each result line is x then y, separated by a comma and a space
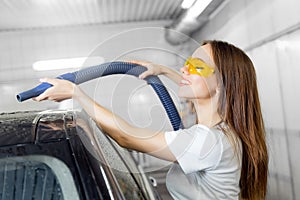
105, 69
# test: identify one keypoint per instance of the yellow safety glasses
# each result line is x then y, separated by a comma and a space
198, 67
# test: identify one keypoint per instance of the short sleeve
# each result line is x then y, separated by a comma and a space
197, 148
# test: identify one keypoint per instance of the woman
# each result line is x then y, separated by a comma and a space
223, 156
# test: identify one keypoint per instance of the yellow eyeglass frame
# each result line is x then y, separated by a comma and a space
198, 67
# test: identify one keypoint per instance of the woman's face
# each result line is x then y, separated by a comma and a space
194, 86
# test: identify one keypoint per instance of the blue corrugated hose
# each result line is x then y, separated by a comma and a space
110, 68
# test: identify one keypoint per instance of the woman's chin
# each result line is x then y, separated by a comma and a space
184, 94
185, 91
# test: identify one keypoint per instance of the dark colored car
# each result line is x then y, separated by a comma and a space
64, 155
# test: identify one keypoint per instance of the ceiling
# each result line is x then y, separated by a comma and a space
34, 14
19, 15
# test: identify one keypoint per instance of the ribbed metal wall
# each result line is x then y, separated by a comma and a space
27, 14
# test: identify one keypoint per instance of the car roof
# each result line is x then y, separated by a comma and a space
33, 126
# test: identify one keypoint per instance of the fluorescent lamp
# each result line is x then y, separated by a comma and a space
186, 4
67, 63
198, 7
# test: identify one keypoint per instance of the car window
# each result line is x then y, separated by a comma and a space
126, 181
36, 177
134, 168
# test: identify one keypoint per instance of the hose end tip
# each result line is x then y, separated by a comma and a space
19, 98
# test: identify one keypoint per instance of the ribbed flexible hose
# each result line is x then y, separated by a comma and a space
110, 68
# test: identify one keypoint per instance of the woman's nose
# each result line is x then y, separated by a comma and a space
184, 69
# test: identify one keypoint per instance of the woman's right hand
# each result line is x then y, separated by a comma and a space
152, 68
60, 90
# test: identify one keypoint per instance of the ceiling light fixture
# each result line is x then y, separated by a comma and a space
197, 8
186, 4
67, 63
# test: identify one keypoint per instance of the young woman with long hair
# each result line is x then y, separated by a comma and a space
224, 155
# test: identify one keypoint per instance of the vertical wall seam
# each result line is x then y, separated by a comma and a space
285, 125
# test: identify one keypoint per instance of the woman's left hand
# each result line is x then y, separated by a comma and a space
152, 68
61, 90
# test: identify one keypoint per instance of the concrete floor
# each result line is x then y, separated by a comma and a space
160, 177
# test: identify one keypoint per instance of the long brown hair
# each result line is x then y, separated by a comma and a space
239, 107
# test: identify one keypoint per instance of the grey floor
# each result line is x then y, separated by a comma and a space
160, 177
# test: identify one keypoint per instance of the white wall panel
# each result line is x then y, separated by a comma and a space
288, 51
259, 20
285, 14
265, 62
280, 167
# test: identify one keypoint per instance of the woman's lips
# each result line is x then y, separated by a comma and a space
184, 82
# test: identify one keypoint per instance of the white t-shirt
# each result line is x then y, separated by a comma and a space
207, 167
